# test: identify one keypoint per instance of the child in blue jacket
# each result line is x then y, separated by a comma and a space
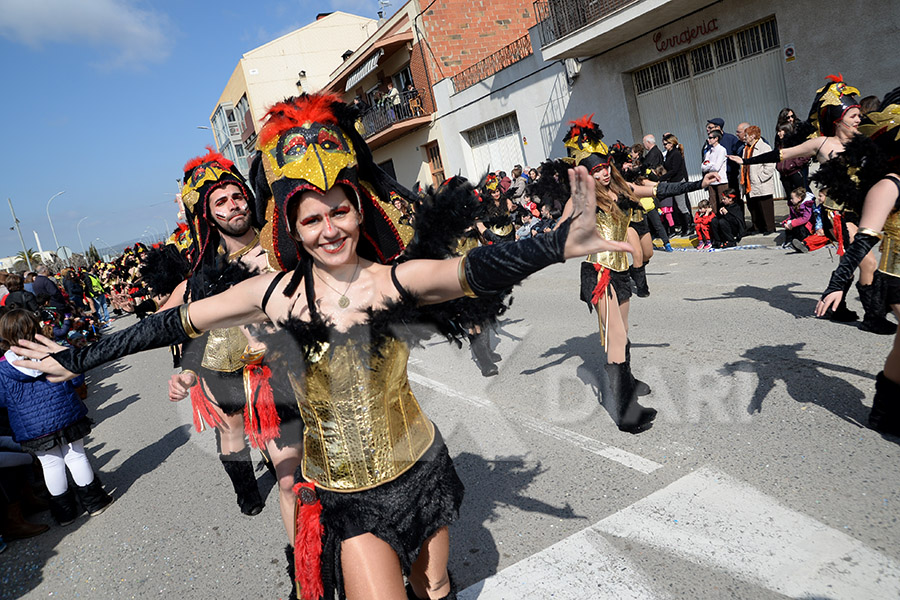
49, 420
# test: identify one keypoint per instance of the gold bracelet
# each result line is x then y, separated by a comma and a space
872, 232
654, 190
194, 373
780, 154
189, 328
463, 280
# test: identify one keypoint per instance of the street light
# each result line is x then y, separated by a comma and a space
78, 230
55, 241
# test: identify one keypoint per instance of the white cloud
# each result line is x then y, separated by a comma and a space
135, 35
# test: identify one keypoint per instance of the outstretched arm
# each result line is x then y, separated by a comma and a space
236, 306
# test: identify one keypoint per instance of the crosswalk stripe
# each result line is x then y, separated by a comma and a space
623, 457
712, 519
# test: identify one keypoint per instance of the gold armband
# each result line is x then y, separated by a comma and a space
194, 373
654, 190
780, 154
872, 232
189, 328
463, 281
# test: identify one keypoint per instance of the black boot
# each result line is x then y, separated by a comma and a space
239, 468
629, 416
482, 352
93, 497
640, 388
639, 276
875, 307
289, 555
842, 314
64, 508
885, 414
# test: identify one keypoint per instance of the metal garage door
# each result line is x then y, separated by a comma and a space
737, 77
496, 146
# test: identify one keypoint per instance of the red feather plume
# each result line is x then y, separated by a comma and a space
313, 108
211, 156
839, 78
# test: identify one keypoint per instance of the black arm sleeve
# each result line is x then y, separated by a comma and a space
496, 268
853, 255
773, 156
156, 331
674, 188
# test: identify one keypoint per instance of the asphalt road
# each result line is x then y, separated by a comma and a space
758, 480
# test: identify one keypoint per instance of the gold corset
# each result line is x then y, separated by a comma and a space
614, 227
637, 215
364, 427
224, 348
890, 246
465, 244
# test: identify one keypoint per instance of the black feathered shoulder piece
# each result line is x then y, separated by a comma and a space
553, 184
625, 203
164, 268
215, 279
851, 174
442, 216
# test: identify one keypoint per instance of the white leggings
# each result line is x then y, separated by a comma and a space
54, 462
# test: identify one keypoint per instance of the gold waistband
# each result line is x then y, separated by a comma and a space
364, 427
224, 348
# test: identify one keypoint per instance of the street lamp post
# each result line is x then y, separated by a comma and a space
55, 241
78, 230
16, 225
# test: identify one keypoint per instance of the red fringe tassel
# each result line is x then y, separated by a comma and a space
837, 219
202, 408
602, 283
308, 542
261, 420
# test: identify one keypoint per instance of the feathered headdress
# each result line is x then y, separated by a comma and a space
831, 104
584, 137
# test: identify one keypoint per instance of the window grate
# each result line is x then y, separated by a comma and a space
725, 51
749, 42
680, 68
702, 59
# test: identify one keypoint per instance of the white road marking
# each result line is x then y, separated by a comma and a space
623, 457
714, 520
583, 565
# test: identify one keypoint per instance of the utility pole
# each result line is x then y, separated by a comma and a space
19, 231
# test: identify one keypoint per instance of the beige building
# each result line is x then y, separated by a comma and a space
301, 61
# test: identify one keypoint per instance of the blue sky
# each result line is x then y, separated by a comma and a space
102, 99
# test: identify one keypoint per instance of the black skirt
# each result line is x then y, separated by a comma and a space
404, 512
66, 435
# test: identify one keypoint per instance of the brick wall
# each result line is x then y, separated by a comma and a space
462, 32
418, 61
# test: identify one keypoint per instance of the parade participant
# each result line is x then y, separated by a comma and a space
605, 283
868, 176
374, 464
225, 367
835, 116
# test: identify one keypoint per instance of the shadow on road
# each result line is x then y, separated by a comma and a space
807, 380
491, 485
780, 297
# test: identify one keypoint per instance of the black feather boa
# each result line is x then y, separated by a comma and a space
851, 174
215, 279
553, 184
163, 269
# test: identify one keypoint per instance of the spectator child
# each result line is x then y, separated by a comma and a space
799, 224
701, 223
49, 420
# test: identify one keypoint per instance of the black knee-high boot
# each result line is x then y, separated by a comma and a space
875, 306
640, 388
623, 406
885, 414
482, 352
639, 276
291, 572
239, 468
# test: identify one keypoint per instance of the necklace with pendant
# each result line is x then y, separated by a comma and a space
343, 300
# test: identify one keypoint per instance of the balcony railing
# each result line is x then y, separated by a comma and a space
490, 65
559, 18
405, 106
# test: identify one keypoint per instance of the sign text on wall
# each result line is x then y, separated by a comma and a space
685, 37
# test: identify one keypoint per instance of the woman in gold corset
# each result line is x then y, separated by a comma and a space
874, 162
373, 464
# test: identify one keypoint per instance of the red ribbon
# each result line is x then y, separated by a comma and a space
261, 420
308, 542
602, 283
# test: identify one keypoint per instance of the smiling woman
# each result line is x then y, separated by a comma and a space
376, 490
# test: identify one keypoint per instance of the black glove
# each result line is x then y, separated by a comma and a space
496, 268
773, 156
156, 331
853, 255
675, 188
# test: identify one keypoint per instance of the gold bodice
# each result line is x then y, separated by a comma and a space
613, 226
364, 427
465, 245
224, 348
637, 215
890, 246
